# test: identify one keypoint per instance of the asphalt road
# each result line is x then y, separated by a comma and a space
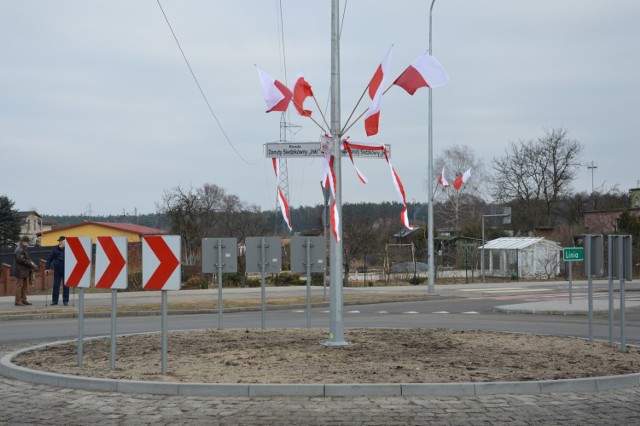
475, 312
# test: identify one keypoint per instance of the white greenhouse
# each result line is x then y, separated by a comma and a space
525, 257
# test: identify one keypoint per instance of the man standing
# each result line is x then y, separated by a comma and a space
56, 259
23, 266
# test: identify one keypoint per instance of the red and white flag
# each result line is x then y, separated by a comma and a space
284, 204
301, 91
443, 180
376, 88
276, 94
457, 184
424, 71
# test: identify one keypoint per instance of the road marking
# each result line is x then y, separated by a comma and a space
471, 312
383, 312
411, 312
440, 312
297, 311
353, 312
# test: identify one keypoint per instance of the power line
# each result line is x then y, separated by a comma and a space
201, 91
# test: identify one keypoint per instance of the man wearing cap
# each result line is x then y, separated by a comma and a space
23, 267
56, 259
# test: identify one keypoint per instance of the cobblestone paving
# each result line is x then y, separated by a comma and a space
23, 403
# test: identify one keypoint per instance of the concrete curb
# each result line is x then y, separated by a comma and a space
589, 384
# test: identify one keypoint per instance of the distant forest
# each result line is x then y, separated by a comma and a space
304, 219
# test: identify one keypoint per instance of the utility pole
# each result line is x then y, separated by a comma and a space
592, 168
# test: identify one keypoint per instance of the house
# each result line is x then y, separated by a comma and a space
522, 257
133, 232
606, 222
30, 225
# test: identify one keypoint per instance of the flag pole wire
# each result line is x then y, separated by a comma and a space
312, 119
363, 112
347, 126
320, 111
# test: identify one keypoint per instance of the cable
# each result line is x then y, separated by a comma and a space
202, 92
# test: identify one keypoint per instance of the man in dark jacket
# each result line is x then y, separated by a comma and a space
23, 265
56, 259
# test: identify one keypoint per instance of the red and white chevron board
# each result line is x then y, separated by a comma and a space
161, 262
77, 262
111, 262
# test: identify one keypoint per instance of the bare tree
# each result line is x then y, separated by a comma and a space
459, 203
195, 214
361, 233
537, 173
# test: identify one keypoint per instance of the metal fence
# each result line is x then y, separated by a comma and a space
36, 253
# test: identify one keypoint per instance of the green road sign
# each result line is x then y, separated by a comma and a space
573, 254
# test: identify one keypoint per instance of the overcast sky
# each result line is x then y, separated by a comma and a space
98, 110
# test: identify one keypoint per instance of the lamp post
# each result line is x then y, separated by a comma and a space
431, 286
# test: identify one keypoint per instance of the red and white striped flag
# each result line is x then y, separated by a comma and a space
284, 204
404, 218
457, 184
276, 95
376, 88
424, 71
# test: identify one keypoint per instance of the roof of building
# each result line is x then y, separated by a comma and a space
516, 243
29, 213
127, 227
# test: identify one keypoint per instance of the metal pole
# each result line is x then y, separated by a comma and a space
570, 282
482, 253
80, 325
336, 325
623, 334
308, 266
590, 291
163, 329
610, 275
431, 286
219, 283
114, 314
263, 285
325, 194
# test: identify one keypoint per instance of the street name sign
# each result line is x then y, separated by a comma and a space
314, 149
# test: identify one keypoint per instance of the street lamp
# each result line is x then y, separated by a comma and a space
431, 286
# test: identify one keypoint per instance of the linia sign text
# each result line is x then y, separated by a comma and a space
311, 149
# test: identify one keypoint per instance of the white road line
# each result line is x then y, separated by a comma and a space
353, 312
383, 312
297, 311
471, 312
440, 312
411, 312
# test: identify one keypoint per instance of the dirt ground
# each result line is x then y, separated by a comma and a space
375, 356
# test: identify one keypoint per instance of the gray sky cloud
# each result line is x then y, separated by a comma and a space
97, 106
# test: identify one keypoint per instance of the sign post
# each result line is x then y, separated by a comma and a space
264, 254
219, 255
161, 271
111, 272
620, 267
307, 255
593, 261
77, 273
569, 255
